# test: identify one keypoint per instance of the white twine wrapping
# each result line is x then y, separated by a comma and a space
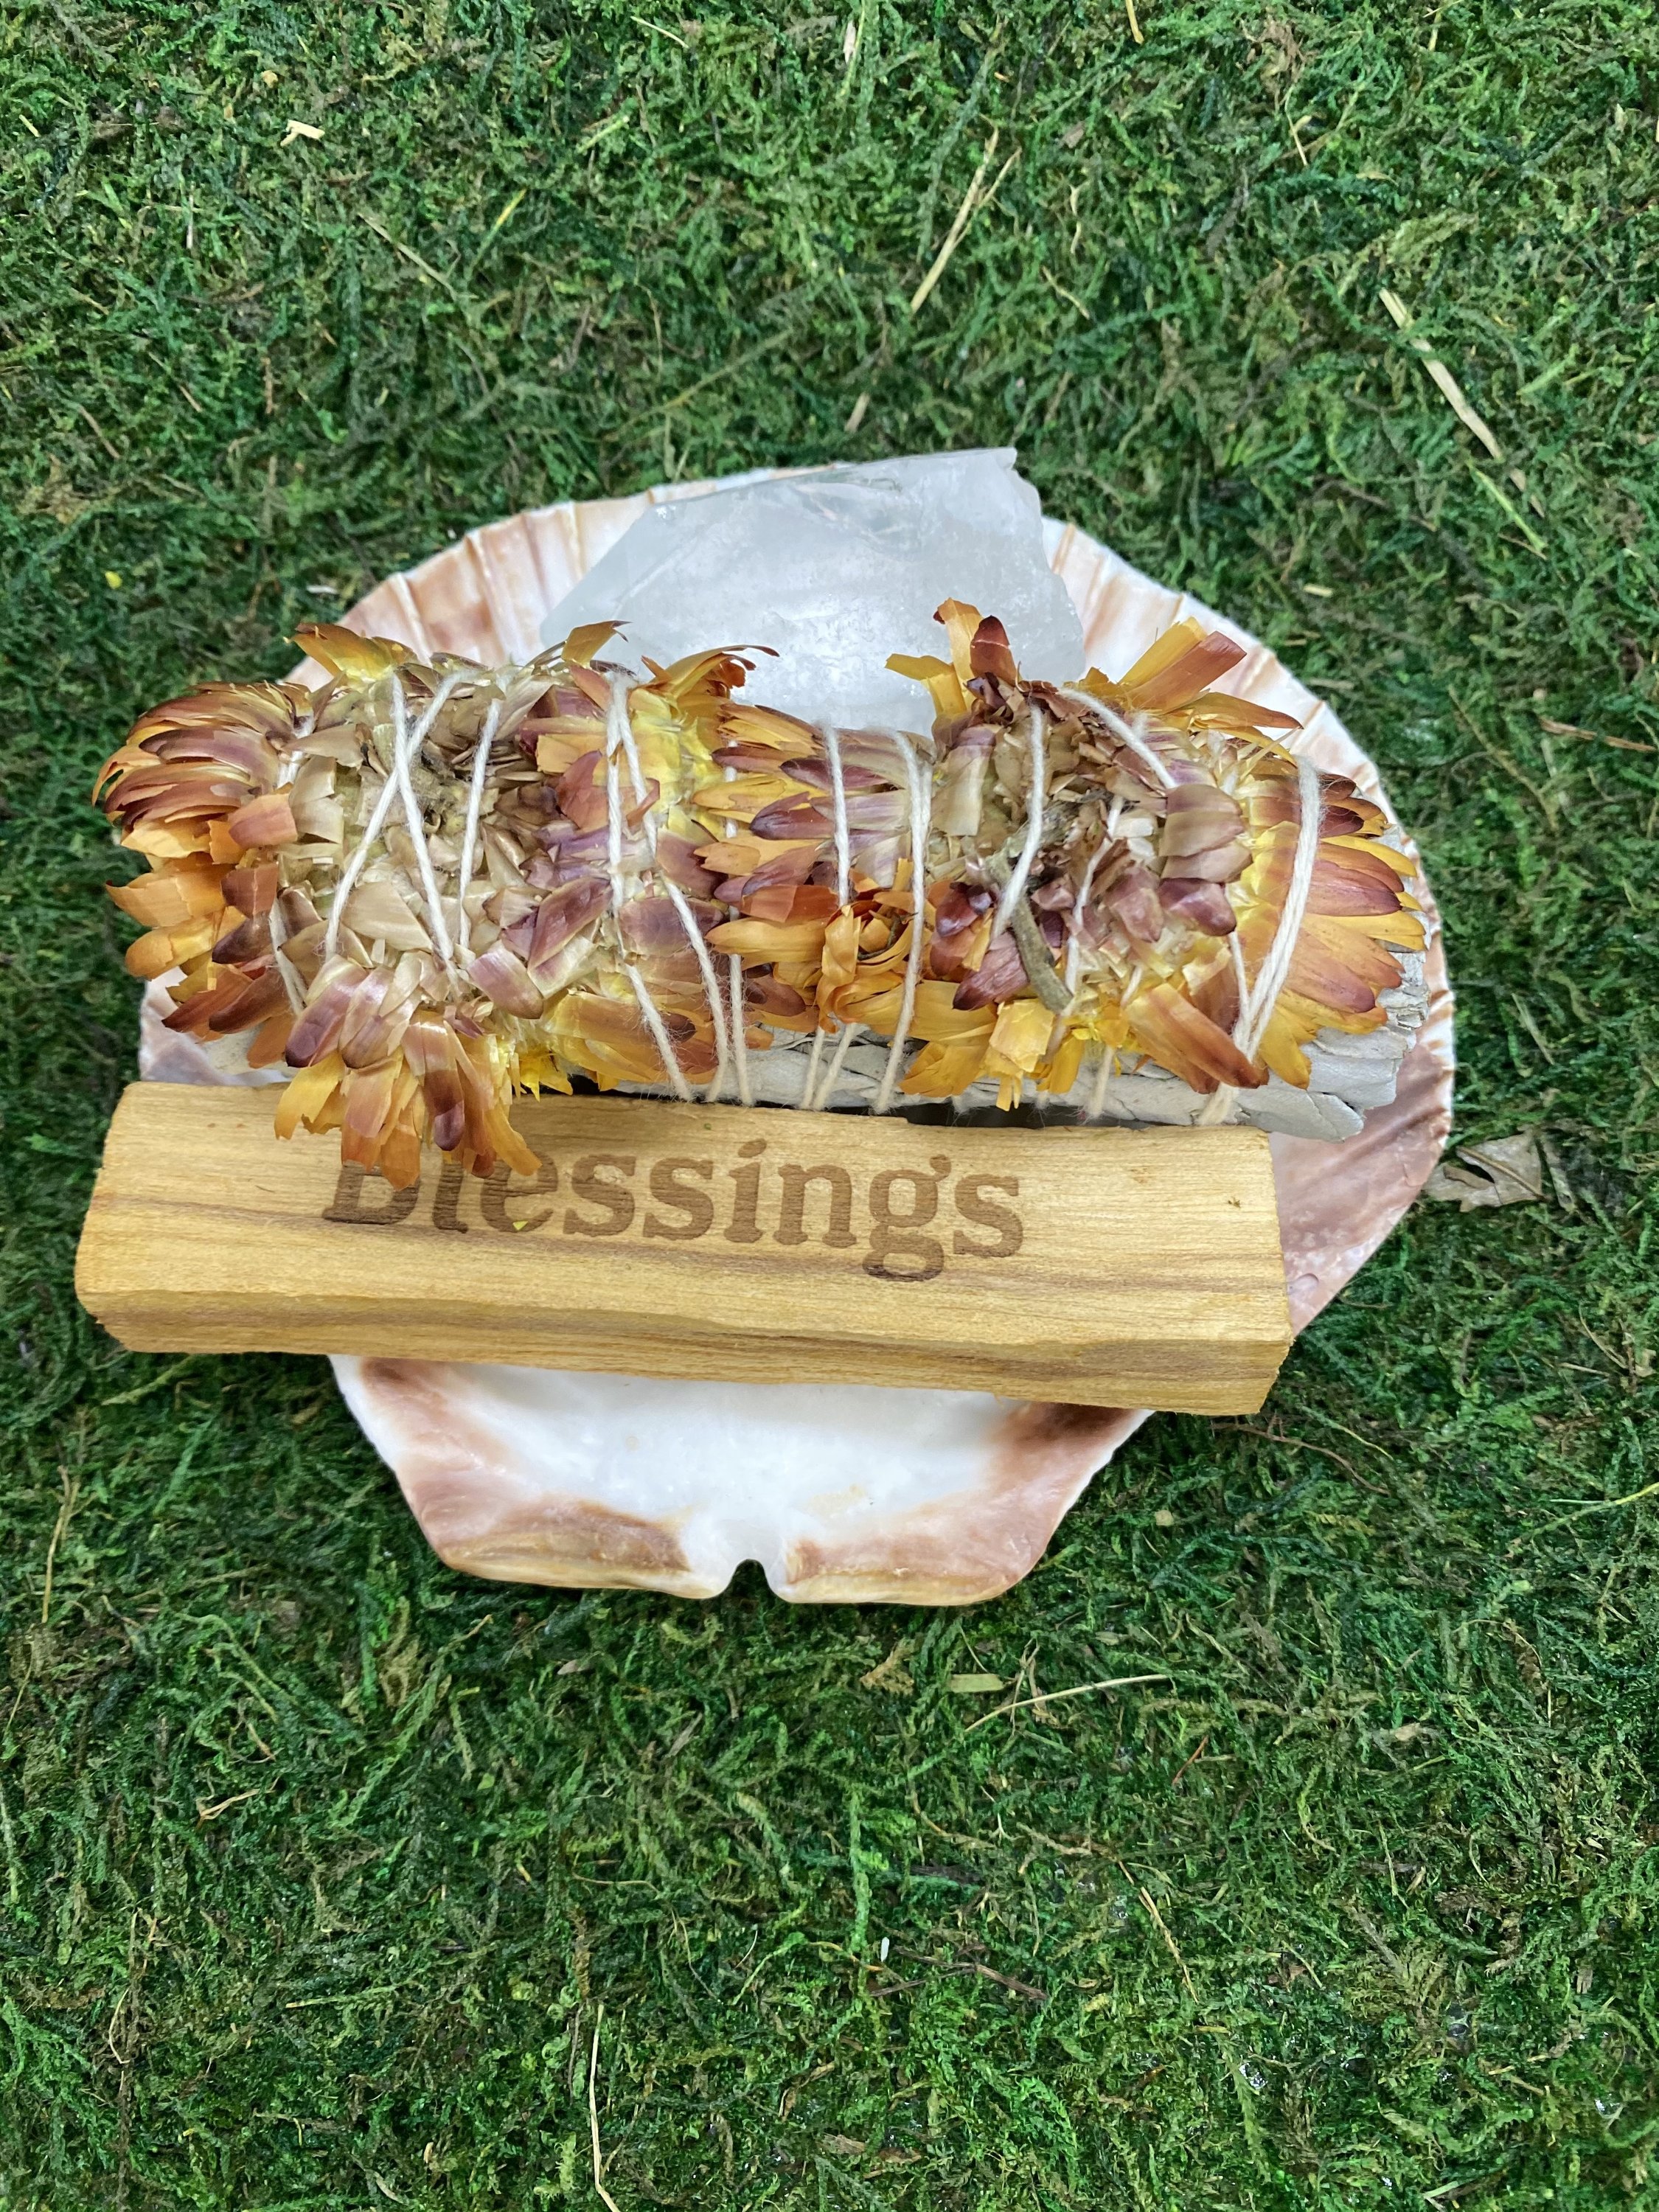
832, 1077
739, 1028
1103, 1074
618, 735
810, 1082
734, 984
1122, 731
831, 739
1035, 799
812, 1095
618, 717
1241, 980
417, 826
658, 1028
921, 796
1256, 1005
389, 790
470, 834
285, 968
1080, 904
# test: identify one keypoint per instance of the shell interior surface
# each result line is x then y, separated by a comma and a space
441, 873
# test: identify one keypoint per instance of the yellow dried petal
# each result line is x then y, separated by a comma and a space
165, 901
165, 841
742, 799
769, 940
1020, 1039
941, 1070
1162, 652
307, 1093
1066, 1064
344, 654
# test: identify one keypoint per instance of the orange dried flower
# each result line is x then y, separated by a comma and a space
425, 886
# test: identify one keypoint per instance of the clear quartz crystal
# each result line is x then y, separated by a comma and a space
833, 569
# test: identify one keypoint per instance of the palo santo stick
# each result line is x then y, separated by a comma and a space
1132, 1267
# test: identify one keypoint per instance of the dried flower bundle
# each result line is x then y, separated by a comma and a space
427, 885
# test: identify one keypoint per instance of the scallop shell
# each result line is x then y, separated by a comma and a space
841, 1493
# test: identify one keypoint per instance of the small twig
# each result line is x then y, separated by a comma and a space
1609, 1505
606, 127
1301, 1443
1033, 947
1507, 508
1191, 1760
72, 1492
1458, 402
594, 2115
341, 1997
1053, 1696
1145, 1897
411, 256
1572, 730
1054, 285
1452, 390
1008, 1981
205, 1811
516, 202
1454, 394
972, 200
691, 391
88, 415
1605, 1505
964, 1966
662, 29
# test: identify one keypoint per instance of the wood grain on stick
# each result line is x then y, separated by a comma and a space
1099, 1267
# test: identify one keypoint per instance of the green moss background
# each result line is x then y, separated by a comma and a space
319, 1862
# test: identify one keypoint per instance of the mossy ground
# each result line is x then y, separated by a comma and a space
319, 1860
